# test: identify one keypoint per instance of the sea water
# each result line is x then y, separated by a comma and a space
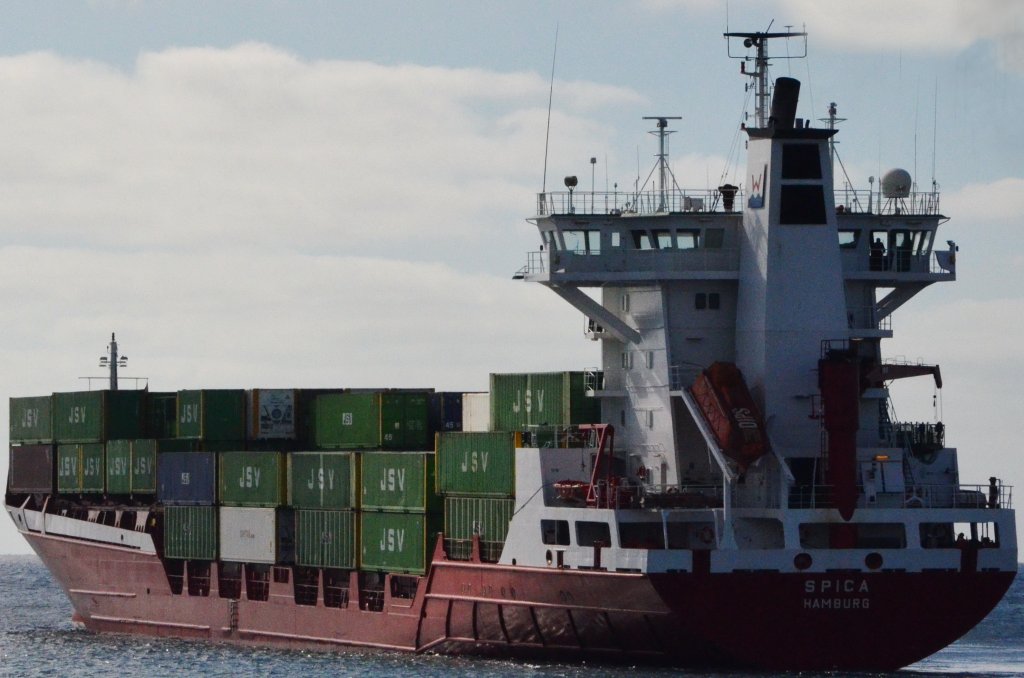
38, 639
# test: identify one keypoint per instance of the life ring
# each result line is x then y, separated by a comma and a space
706, 534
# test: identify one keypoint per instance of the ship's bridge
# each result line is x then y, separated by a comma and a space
598, 238
891, 240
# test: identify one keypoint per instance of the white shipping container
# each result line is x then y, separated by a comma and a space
476, 411
271, 413
248, 535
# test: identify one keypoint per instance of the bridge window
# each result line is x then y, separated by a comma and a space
801, 161
688, 239
642, 240
589, 533
849, 239
616, 239
555, 532
582, 241
664, 239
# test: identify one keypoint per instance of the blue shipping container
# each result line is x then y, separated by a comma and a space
445, 411
187, 478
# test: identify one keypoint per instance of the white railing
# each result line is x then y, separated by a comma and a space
624, 202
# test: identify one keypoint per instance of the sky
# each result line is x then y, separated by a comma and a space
273, 193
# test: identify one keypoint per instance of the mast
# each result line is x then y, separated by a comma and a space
113, 361
663, 170
759, 75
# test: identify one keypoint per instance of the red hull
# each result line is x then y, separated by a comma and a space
874, 621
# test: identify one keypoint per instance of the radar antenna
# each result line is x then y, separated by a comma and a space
759, 75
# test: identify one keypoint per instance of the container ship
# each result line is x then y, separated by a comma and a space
730, 487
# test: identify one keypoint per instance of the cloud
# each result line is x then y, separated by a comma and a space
917, 25
999, 200
252, 147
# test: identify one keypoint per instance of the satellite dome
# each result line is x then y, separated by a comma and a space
896, 183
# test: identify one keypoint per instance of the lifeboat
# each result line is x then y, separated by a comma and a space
726, 403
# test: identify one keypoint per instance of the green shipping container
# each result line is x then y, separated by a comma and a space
519, 401
484, 516
477, 463
119, 466
323, 480
190, 532
398, 481
404, 420
97, 416
144, 453
326, 539
31, 420
396, 542
348, 421
131, 466
80, 468
255, 479
211, 414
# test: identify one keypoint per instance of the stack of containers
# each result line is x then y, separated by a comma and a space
187, 487
83, 422
476, 477
372, 420
131, 466
255, 526
400, 512
322, 489
31, 467
205, 421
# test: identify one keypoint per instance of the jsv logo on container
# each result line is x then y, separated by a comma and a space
250, 477
392, 539
68, 467
475, 461
320, 480
117, 467
189, 414
393, 479
30, 418
526, 400
143, 466
77, 415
